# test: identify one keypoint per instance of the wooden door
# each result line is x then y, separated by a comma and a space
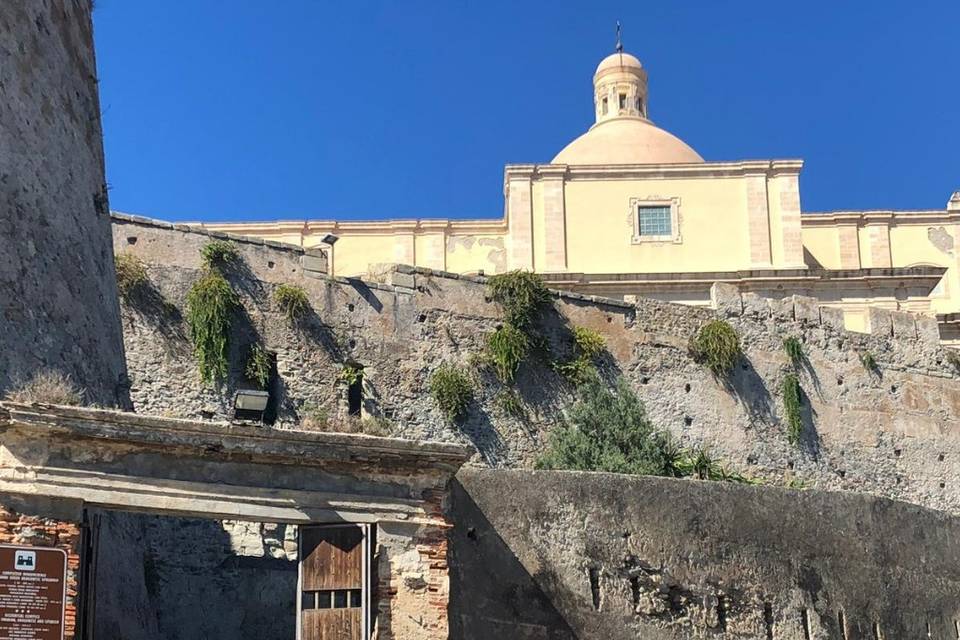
332, 594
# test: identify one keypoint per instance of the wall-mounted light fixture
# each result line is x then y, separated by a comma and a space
330, 239
249, 404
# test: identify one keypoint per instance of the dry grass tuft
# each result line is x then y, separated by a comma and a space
47, 387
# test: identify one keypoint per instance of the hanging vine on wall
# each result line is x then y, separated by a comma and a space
794, 350
210, 304
259, 366
792, 398
506, 349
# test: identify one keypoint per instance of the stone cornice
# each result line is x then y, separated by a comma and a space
875, 217
654, 171
379, 227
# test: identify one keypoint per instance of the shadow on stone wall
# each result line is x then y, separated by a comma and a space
170, 578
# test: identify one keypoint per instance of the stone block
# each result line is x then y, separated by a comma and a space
314, 263
755, 305
781, 308
725, 298
398, 279
806, 309
832, 317
928, 329
904, 325
879, 321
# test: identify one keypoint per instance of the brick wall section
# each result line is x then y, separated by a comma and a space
413, 592
34, 531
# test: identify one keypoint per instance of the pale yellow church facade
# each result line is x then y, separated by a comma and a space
628, 209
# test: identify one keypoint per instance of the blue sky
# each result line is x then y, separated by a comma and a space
297, 109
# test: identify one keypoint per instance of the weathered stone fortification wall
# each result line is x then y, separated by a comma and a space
893, 432
574, 555
58, 297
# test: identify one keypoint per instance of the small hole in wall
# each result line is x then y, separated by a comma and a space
131, 239
355, 395
745, 366
899, 479
897, 452
686, 388
839, 381
841, 473
940, 458
422, 317
471, 533
270, 264
790, 465
609, 319
351, 343
893, 388
943, 485
687, 420
350, 307
644, 380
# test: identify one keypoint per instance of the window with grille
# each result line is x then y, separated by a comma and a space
654, 221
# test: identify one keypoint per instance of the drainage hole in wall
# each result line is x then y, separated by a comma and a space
790, 465
131, 239
839, 381
644, 380
351, 343
841, 473
893, 388
940, 458
270, 264
350, 307
943, 485
897, 452
686, 388
687, 420
422, 317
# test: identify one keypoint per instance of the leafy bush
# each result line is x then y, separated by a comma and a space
577, 371
452, 391
587, 342
210, 303
292, 301
131, 274
520, 293
868, 361
794, 350
259, 365
608, 430
718, 346
217, 254
506, 349
350, 373
47, 387
792, 396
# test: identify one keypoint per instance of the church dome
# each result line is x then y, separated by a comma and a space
626, 141
623, 134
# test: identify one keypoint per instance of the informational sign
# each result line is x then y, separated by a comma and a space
33, 593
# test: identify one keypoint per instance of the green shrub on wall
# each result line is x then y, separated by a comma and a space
131, 274
506, 349
350, 373
452, 391
521, 294
587, 347
210, 304
217, 254
794, 350
869, 362
792, 398
259, 366
291, 300
717, 345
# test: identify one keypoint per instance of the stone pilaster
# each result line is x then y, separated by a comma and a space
879, 234
404, 247
554, 216
790, 219
518, 186
758, 220
848, 238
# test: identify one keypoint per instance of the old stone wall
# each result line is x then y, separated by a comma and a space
58, 297
34, 522
892, 430
583, 555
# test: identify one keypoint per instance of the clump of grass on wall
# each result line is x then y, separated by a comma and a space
47, 387
291, 300
506, 349
587, 347
521, 294
794, 350
717, 345
452, 391
259, 365
218, 254
210, 304
350, 373
792, 398
131, 274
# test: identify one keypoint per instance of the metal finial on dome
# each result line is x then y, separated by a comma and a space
619, 47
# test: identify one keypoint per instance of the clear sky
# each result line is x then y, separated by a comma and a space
292, 109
